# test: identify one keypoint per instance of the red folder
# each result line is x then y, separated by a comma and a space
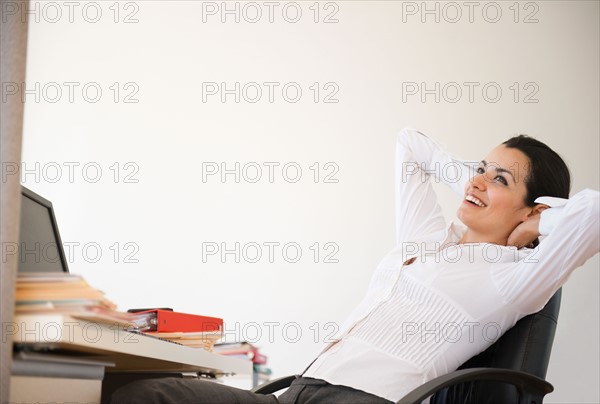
172, 321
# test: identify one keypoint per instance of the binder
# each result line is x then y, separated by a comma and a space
172, 321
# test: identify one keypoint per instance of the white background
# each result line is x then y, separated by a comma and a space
368, 56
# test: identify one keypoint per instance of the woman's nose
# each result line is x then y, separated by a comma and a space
479, 181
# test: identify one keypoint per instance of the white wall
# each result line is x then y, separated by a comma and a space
367, 55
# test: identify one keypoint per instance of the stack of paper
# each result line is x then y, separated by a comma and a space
204, 340
243, 349
246, 350
66, 294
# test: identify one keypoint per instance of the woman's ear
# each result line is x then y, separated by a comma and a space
537, 209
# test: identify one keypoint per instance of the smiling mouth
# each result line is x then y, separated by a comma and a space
475, 201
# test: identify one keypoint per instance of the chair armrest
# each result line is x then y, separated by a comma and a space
274, 385
532, 389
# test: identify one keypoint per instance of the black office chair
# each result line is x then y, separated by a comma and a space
510, 371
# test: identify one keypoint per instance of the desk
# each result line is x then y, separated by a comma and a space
129, 352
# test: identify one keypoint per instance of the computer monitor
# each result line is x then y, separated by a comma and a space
40, 246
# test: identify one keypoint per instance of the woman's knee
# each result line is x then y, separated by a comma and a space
179, 390
145, 391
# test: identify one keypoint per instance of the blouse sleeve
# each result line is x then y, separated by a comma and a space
573, 237
418, 158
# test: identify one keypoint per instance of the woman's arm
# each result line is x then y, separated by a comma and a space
418, 158
533, 227
574, 232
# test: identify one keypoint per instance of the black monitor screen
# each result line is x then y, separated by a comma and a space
40, 248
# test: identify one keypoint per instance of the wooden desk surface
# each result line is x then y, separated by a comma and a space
129, 351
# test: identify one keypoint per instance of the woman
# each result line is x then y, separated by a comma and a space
446, 292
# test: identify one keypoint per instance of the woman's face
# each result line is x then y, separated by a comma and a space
494, 198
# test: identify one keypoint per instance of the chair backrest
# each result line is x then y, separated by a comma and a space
525, 347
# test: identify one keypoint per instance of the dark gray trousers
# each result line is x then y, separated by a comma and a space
303, 390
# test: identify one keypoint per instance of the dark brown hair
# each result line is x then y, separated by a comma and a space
548, 174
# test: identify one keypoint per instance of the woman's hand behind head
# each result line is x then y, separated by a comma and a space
528, 231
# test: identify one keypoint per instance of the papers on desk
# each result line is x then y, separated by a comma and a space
63, 293
242, 349
70, 295
248, 351
204, 340
60, 289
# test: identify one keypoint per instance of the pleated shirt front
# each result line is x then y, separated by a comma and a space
433, 303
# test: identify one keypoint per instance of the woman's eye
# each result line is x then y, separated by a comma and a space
480, 170
502, 179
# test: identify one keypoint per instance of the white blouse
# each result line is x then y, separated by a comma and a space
424, 317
